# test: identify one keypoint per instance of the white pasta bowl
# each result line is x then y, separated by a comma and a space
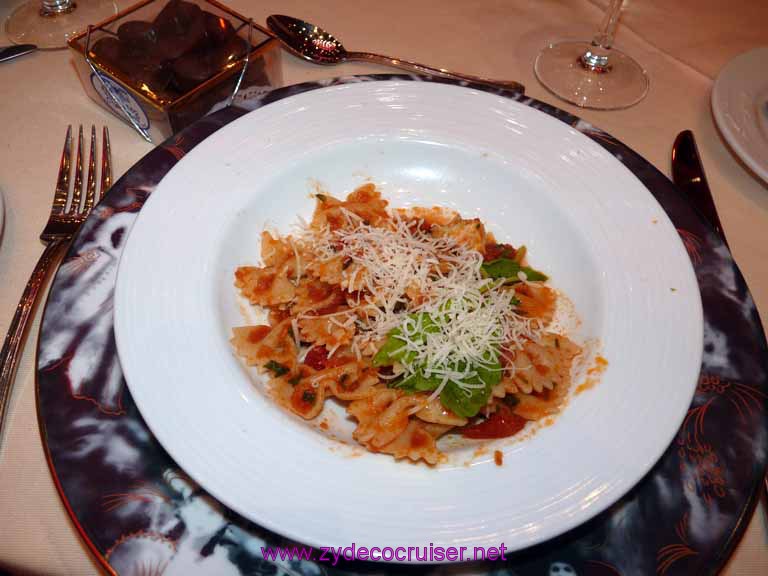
587, 221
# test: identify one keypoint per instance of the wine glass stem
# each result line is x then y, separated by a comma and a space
598, 56
54, 7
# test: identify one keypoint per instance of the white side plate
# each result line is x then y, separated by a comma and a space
740, 108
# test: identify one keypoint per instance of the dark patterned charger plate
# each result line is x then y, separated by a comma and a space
140, 513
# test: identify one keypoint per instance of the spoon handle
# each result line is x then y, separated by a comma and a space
424, 69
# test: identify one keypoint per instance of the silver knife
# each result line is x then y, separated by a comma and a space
688, 174
11, 52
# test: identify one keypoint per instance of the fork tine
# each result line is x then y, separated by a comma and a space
90, 190
62, 182
77, 189
106, 163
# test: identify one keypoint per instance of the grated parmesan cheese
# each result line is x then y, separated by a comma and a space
472, 317
298, 261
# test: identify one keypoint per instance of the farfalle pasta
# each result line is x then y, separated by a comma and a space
415, 319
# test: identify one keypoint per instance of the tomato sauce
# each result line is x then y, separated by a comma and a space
258, 333
276, 315
593, 375
419, 225
496, 251
319, 291
317, 358
304, 398
264, 283
338, 301
419, 439
501, 424
338, 360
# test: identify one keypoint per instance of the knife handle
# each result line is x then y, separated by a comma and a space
688, 174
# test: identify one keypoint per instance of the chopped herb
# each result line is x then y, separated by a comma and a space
400, 306
276, 367
295, 380
511, 400
308, 397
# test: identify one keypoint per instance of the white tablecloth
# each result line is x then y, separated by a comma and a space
682, 45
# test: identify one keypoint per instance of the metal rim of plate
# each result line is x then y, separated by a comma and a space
135, 508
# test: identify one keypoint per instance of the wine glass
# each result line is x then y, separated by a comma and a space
50, 23
593, 74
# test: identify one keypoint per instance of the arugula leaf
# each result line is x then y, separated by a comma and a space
469, 403
393, 350
490, 374
506, 268
464, 403
461, 404
418, 382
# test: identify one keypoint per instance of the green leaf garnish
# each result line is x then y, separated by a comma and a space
394, 349
461, 404
418, 382
465, 401
506, 268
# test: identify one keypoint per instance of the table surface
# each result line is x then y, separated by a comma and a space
682, 45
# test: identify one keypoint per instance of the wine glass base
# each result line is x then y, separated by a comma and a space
559, 68
27, 26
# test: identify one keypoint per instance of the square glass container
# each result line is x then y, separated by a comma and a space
160, 65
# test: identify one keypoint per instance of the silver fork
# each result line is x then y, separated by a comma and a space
69, 211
